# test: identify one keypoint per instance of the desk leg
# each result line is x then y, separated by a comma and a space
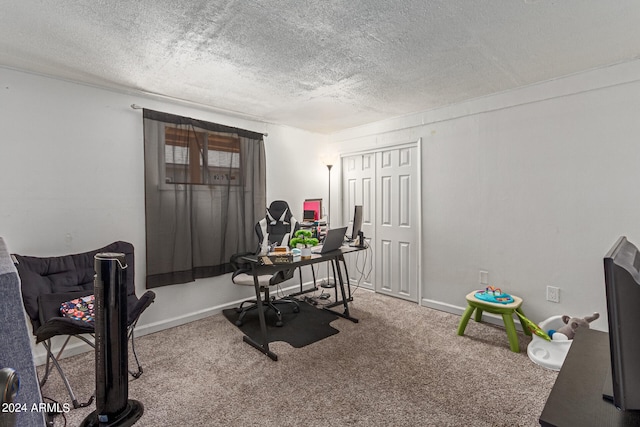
346, 274
264, 347
344, 301
335, 280
301, 292
334, 263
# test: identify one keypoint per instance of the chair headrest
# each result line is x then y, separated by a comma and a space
278, 211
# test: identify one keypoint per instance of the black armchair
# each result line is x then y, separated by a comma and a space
48, 282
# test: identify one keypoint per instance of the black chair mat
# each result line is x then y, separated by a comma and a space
309, 325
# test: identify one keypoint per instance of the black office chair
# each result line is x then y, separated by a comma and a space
49, 282
275, 229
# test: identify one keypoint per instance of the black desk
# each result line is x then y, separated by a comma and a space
257, 269
576, 397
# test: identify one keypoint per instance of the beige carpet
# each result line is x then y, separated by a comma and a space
402, 365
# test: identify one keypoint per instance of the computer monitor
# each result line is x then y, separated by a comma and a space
622, 285
357, 222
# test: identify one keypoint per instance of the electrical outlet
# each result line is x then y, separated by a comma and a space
553, 294
484, 277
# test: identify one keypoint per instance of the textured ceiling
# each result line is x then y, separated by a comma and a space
317, 65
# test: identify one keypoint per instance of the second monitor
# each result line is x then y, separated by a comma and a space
357, 222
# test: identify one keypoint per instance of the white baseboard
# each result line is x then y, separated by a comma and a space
491, 318
438, 305
367, 286
76, 346
79, 347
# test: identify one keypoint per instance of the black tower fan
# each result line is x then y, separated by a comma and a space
113, 408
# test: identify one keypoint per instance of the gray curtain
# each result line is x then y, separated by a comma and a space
205, 189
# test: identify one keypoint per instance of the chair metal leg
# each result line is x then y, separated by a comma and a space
243, 313
74, 400
64, 345
47, 368
288, 300
250, 301
53, 360
269, 302
270, 305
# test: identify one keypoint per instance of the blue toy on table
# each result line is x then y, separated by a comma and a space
495, 295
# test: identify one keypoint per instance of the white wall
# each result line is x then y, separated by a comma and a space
72, 179
293, 157
533, 185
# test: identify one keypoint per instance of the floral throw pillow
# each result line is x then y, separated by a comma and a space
79, 308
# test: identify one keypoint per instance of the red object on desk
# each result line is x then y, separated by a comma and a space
313, 205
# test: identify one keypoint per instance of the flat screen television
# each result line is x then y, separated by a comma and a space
622, 284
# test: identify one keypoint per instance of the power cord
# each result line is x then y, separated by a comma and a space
310, 300
50, 416
361, 270
315, 299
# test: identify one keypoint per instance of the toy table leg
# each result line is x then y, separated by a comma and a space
465, 319
511, 332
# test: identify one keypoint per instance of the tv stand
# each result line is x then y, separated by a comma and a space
577, 395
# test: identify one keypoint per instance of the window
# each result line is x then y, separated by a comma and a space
205, 189
188, 162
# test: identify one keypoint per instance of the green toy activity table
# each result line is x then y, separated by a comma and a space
505, 310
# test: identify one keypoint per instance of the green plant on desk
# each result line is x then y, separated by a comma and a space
303, 238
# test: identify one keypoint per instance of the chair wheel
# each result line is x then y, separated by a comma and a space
238, 322
279, 323
296, 309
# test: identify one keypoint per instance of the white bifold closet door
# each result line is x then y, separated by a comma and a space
385, 184
358, 188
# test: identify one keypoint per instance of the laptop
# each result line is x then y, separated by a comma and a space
332, 242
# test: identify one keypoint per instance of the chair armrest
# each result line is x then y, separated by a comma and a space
236, 261
141, 305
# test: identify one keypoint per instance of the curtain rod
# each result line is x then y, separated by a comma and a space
137, 107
